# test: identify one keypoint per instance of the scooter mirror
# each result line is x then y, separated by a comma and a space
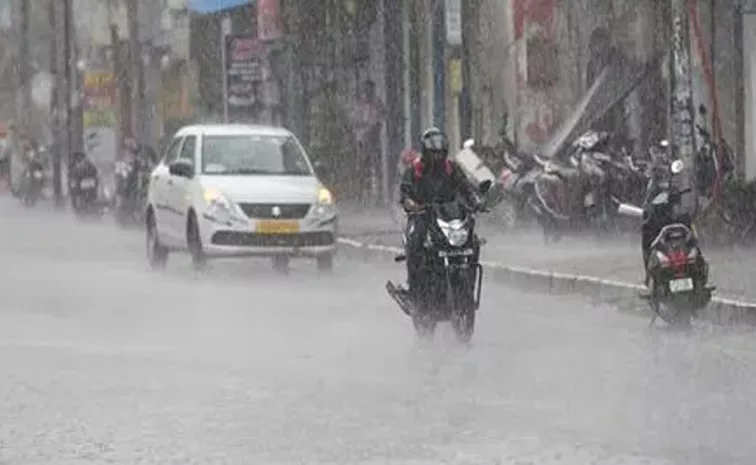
485, 186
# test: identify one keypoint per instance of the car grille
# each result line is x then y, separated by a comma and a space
289, 211
237, 238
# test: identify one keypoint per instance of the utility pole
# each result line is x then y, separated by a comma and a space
137, 68
24, 65
69, 79
60, 12
681, 89
54, 102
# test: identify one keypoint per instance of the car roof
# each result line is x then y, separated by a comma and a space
232, 130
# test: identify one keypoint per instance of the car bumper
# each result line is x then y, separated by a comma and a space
238, 238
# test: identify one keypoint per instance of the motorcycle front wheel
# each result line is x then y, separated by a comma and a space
425, 327
460, 295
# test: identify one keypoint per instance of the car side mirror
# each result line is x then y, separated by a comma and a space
181, 168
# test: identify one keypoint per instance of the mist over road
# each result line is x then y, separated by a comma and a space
103, 361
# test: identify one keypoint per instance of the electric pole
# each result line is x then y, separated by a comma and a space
60, 18
681, 90
24, 66
137, 68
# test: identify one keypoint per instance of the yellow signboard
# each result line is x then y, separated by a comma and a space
99, 80
95, 118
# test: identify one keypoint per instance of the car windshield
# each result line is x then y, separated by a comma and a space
253, 154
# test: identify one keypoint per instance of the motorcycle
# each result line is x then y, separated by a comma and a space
565, 190
451, 275
84, 191
517, 183
715, 163
33, 182
130, 195
677, 273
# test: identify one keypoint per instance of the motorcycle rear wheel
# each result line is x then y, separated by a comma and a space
670, 314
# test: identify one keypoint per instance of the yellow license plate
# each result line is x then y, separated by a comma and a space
277, 226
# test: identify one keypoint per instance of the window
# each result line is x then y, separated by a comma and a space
187, 150
254, 154
172, 152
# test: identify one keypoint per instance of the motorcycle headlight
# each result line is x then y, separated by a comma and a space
455, 232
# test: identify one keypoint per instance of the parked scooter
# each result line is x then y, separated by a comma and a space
570, 190
677, 273
516, 184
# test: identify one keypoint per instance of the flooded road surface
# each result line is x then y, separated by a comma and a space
102, 361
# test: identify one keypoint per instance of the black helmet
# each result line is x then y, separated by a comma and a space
433, 145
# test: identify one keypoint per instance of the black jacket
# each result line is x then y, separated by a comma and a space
84, 168
436, 184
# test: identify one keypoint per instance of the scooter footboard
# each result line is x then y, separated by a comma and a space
400, 296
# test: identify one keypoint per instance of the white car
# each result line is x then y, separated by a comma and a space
236, 191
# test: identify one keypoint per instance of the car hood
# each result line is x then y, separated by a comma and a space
264, 189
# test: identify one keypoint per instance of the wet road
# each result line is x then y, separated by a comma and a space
102, 361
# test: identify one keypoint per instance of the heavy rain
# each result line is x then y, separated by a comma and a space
408, 232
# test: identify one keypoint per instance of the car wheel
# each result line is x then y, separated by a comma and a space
281, 264
194, 243
157, 253
325, 263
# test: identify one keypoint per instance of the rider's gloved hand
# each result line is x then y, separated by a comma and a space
411, 205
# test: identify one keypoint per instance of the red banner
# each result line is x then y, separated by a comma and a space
269, 25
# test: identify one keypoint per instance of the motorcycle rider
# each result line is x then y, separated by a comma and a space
81, 168
432, 178
33, 160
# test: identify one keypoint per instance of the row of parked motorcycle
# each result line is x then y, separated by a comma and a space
588, 185
579, 188
89, 197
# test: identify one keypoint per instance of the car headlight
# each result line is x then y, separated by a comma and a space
216, 200
324, 197
323, 202
456, 232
